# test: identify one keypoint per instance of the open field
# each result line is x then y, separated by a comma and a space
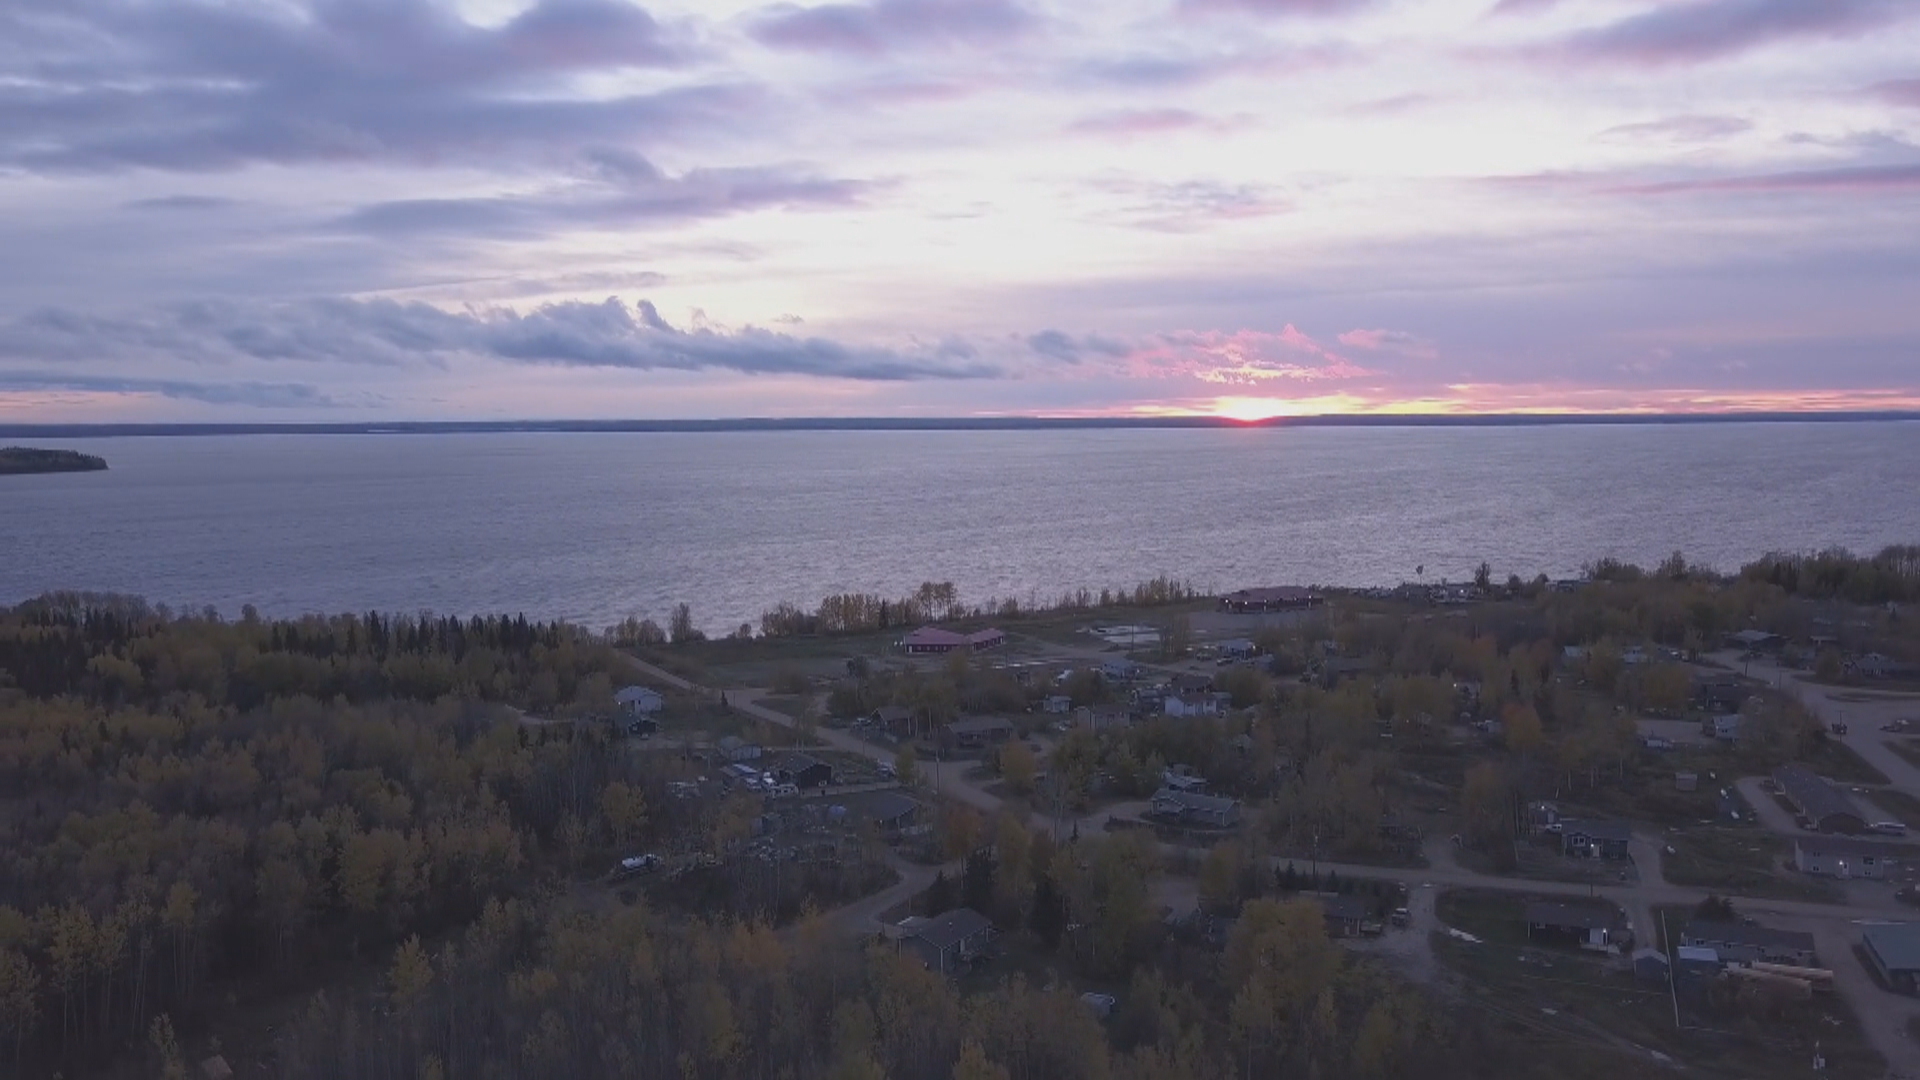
1740, 862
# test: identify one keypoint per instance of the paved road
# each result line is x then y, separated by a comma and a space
1884, 1016
1863, 718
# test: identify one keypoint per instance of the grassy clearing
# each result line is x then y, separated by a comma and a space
1836, 760
1739, 862
1898, 803
794, 705
1909, 749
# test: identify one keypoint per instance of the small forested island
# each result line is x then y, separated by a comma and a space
27, 459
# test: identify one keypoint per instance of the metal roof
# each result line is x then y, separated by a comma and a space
1599, 830
1726, 933
1187, 800
946, 931
1896, 944
1571, 916
1817, 798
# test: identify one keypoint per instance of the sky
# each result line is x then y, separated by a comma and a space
331, 210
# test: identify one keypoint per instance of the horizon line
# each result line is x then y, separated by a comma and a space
949, 423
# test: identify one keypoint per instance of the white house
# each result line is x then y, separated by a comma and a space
734, 748
1182, 705
1834, 856
1058, 703
1726, 727
639, 700
1099, 718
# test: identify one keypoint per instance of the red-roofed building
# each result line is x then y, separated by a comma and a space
932, 639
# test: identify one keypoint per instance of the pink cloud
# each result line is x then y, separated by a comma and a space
1130, 122
1243, 357
1392, 341
1899, 92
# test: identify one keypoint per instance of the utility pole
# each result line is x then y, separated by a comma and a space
1671, 992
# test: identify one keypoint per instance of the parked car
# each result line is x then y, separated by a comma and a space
1401, 916
1890, 828
784, 791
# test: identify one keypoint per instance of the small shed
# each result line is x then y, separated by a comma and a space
1686, 781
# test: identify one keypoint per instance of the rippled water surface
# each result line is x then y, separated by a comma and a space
594, 527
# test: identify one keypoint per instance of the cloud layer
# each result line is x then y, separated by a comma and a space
419, 208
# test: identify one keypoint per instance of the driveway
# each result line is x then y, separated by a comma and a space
1862, 710
1767, 808
1883, 1015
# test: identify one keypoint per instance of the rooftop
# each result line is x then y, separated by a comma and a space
1188, 800
1849, 848
979, 725
1815, 796
946, 931
1599, 830
1571, 916
1896, 944
1726, 933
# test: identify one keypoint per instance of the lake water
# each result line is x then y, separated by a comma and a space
594, 527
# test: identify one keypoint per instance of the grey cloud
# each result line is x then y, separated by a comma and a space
1281, 7
1899, 92
197, 86
181, 202
1692, 31
887, 25
1681, 128
1192, 204
1065, 347
649, 196
333, 331
261, 395
1863, 179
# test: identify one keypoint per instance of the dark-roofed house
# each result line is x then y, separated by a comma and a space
1721, 693
804, 770
888, 811
1826, 806
1192, 808
1755, 640
1595, 839
1345, 915
1274, 598
894, 719
1103, 717
1745, 944
1841, 857
1191, 682
1590, 926
1338, 668
978, 731
946, 943
1894, 951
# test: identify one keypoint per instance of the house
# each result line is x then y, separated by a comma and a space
1192, 808
1722, 726
1097, 718
1120, 670
1720, 693
1334, 670
735, 748
933, 639
1278, 598
1755, 641
1182, 778
1826, 806
804, 771
1894, 951
1745, 944
639, 700
1573, 654
1834, 856
1880, 666
976, 732
1237, 648
1589, 926
1345, 914
946, 943
893, 719
1057, 704
1193, 682
1181, 705
1686, 781
886, 811
1595, 839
